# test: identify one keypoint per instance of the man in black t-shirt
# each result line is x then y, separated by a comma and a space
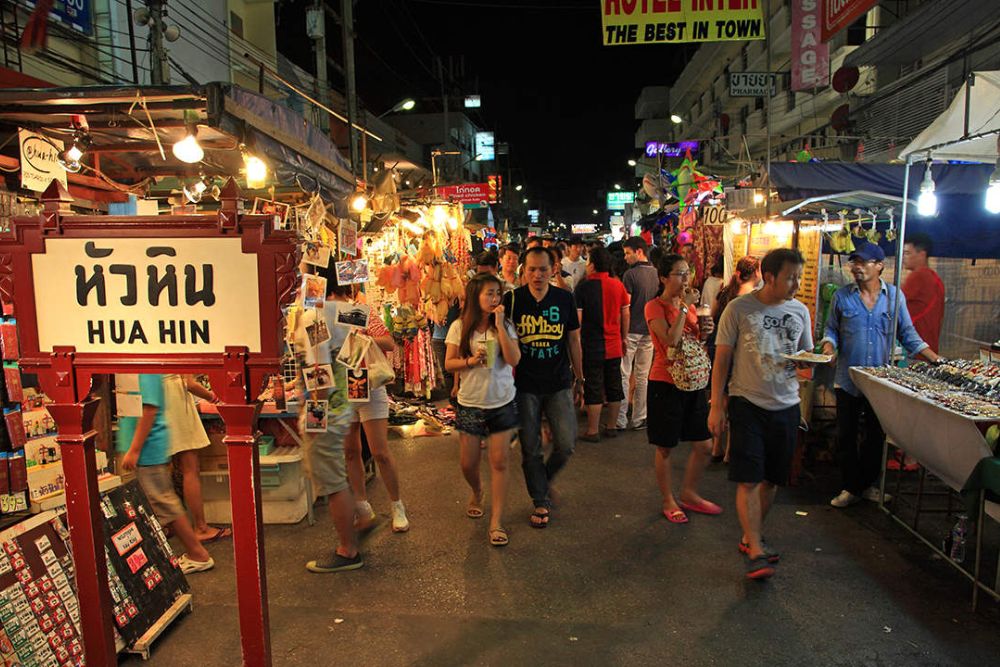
549, 375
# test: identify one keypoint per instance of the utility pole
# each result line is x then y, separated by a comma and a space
444, 105
347, 33
159, 73
767, 43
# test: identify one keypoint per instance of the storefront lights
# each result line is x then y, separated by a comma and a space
359, 202
632, 163
193, 192
256, 171
675, 119
188, 149
927, 204
992, 202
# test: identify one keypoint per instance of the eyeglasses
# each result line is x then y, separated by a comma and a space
680, 274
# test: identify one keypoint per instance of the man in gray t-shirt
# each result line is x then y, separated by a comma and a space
763, 394
642, 282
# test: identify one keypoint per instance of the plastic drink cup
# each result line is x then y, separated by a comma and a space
704, 317
491, 352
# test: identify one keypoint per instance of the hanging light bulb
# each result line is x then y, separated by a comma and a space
256, 171
359, 202
992, 202
440, 215
736, 226
188, 149
927, 204
194, 191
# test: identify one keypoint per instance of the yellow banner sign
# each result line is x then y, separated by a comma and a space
674, 21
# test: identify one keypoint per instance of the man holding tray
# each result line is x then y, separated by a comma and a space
857, 334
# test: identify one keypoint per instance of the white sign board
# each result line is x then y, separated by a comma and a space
752, 84
484, 146
40, 161
146, 296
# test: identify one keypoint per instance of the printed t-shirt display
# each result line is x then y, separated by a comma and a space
760, 334
656, 309
601, 298
542, 330
156, 448
482, 387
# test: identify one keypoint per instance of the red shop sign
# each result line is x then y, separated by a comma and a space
838, 14
467, 193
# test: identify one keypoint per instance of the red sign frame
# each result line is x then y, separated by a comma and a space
237, 375
838, 14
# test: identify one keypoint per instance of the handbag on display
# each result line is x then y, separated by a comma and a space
690, 367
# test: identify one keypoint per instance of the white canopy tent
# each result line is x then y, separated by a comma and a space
968, 128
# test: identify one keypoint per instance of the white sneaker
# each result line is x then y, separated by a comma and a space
363, 510
873, 494
845, 499
189, 566
400, 524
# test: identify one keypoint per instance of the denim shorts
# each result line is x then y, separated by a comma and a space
486, 421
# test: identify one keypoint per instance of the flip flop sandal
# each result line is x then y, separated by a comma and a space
220, 533
498, 537
475, 508
759, 568
703, 507
539, 519
677, 516
771, 556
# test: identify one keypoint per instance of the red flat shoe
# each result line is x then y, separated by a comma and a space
703, 507
677, 516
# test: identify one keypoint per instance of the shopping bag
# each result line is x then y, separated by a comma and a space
354, 350
380, 371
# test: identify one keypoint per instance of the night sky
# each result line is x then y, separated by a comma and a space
564, 102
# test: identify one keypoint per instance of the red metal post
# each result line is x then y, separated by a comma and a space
248, 524
75, 419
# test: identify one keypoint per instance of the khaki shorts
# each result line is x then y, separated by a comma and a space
377, 407
324, 462
157, 484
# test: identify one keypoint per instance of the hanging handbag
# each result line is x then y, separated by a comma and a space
690, 367
380, 371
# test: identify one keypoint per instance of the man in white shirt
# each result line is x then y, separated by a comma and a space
573, 263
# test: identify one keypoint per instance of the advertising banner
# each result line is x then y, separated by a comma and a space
810, 55
40, 161
838, 14
468, 193
675, 21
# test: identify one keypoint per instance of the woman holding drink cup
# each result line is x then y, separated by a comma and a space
677, 402
482, 350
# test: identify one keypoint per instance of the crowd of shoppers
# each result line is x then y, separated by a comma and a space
536, 338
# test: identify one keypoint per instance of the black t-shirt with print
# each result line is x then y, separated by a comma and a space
543, 333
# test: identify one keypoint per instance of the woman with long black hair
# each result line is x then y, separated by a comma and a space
483, 351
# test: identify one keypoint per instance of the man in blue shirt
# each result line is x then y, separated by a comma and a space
857, 334
144, 440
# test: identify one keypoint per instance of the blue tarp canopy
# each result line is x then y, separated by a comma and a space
962, 228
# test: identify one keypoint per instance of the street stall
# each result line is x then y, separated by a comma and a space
118, 166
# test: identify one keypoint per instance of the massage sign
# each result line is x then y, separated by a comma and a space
155, 296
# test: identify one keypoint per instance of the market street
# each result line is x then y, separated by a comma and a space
610, 582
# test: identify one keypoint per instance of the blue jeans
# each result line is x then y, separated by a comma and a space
558, 408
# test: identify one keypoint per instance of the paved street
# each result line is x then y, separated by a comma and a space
610, 582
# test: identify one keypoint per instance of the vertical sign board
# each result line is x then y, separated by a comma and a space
838, 14
675, 21
810, 243
810, 55
152, 294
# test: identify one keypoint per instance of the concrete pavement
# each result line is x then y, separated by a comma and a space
610, 582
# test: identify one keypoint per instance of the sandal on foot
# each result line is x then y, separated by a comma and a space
676, 516
539, 518
590, 437
771, 556
474, 510
759, 568
702, 507
498, 537
219, 534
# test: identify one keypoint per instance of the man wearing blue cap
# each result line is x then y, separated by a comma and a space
857, 334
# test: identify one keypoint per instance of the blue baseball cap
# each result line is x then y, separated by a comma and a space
869, 252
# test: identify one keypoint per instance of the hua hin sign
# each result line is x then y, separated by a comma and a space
147, 296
